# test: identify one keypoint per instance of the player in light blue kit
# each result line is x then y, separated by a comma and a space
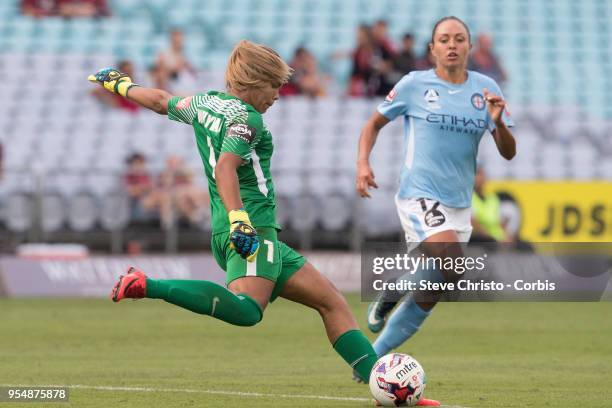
446, 111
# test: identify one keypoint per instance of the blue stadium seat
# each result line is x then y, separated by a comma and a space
556, 53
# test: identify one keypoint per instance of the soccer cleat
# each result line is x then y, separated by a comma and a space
133, 285
377, 313
424, 402
357, 378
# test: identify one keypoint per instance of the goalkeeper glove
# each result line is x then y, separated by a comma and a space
113, 80
243, 237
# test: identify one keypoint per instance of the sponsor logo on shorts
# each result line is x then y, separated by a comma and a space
434, 217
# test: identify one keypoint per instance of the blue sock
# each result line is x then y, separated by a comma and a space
402, 324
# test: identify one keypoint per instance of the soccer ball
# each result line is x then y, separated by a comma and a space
397, 380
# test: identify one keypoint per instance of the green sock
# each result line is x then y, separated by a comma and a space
207, 298
356, 349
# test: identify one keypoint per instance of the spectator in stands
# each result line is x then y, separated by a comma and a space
380, 33
138, 185
362, 69
384, 55
173, 69
175, 190
115, 101
39, 8
486, 215
405, 61
484, 60
306, 79
427, 60
192, 201
158, 78
82, 8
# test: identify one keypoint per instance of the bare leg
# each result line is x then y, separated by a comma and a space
410, 315
310, 288
259, 289
441, 245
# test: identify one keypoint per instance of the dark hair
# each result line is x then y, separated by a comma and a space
381, 21
121, 64
300, 50
443, 19
134, 157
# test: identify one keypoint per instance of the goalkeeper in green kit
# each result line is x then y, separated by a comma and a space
236, 148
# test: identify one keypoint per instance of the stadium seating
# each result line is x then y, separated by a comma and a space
557, 56
542, 43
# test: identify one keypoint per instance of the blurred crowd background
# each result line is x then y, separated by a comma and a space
82, 165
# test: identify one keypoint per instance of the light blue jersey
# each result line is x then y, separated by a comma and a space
443, 126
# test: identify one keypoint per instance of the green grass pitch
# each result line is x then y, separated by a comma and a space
475, 355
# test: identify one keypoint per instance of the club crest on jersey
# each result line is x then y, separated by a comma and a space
478, 101
184, 103
391, 95
432, 97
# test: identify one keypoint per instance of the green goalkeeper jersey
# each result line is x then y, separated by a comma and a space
225, 123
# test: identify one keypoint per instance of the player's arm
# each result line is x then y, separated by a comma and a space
121, 84
369, 133
226, 177
150, 98
243, 237
394, 105
238, 144
506, 145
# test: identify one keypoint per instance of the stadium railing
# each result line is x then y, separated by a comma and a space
93, 208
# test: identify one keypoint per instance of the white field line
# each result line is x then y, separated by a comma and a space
209, 392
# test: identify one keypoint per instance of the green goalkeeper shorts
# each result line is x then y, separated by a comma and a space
275, 261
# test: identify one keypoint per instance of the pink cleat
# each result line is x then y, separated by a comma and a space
424, 402
133, 285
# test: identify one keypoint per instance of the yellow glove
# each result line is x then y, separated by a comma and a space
113, 80
243, 237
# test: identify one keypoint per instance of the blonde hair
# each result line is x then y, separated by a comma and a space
253, 66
